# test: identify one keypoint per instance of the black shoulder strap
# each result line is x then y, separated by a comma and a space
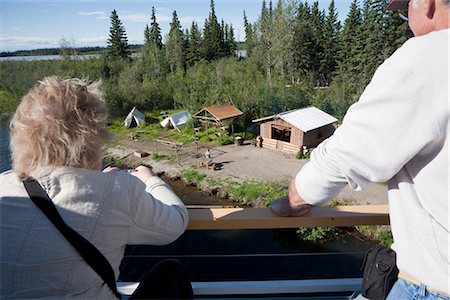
90, 254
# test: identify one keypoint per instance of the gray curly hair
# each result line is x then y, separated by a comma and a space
60, 122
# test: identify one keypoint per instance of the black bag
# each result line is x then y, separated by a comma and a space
380, 272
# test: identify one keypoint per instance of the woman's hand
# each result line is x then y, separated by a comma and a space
143, 173
110, 169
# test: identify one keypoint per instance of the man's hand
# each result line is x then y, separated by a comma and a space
292, 205
143, 173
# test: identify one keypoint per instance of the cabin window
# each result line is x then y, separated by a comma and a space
281, 133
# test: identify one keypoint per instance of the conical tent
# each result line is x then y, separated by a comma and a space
134, 118
177, 120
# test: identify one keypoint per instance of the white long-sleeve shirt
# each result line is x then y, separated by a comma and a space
111, 210
398, 132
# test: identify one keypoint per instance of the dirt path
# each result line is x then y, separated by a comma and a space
240, 163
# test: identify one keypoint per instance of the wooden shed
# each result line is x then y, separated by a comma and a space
290, 131
218, 113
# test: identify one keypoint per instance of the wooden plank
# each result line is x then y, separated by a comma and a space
264, 218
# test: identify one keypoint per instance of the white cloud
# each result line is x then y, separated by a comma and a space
160, 18
16, 28
90, 40
139, 17
101, 15
189, 19
8, 43
12, 43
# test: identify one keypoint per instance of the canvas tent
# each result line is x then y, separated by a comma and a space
134, 118
178, 120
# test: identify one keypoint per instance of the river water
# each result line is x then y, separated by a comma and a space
237, 254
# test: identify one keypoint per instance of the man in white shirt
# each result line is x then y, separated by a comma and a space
398, 132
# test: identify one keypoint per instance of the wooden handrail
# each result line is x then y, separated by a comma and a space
264, 218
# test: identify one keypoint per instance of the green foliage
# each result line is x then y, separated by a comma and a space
385, 237
381, 233
298, 56
301, 155
115, 162
175, 48
337, 202
154, 32
225, 140
159, 157
192, 176
8, 103
117, 42
252, 190
317, 234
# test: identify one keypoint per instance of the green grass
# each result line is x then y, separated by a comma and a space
116, 162
317, 234
159, 157
252, 190
380, 233
193, 176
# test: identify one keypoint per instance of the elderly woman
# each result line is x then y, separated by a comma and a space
57, 133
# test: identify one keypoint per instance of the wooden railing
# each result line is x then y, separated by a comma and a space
264, 218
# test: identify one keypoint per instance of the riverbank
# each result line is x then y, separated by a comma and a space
235, 165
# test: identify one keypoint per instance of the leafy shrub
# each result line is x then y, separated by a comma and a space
316, 234
159, 157
380, 233
225, 140
251, 190
192, 176
385, 237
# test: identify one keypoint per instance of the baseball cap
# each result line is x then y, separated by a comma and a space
398, 5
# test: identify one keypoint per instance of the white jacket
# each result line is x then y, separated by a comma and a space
111, 210
398, 132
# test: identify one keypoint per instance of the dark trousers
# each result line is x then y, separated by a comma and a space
169, 279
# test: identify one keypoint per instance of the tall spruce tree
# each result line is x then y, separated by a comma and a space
351, 44
396, 33
250, 38
317, 20
223, 41
117, 42
281, 38
372, 34
146, 35
230, 42
330, 45
212, 36
175, 50
302, 42
193, 53
265, 43
155, 31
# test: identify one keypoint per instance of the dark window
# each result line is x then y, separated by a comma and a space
319, 134
281, 133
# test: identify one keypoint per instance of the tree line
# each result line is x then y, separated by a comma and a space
296, 55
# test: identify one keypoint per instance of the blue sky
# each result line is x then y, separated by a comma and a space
32, 24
